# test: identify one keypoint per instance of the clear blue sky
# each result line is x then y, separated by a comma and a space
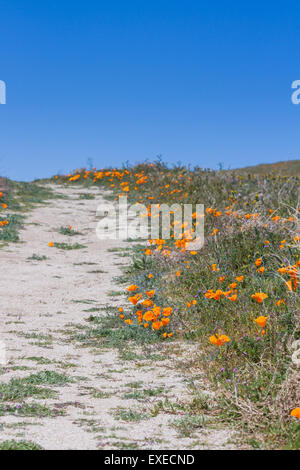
198, 82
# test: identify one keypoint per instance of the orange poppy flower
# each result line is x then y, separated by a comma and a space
150, 293
149, 316
296, 412
157, 325
167, 311
259, 297
261, 321
132, 288
219, 340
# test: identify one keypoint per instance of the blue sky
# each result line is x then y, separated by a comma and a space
198, 82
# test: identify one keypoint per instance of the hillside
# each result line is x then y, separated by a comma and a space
288, 168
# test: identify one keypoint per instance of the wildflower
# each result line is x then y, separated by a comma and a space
150, 275
51, 244
219, 340
120, 309
167, 311
128, 321
147, 303
132, 288
134, 299
259, 297
178, 273
233, 298
261, 321
296, 412
258, 262
149, 316
240, 278
282, 270
150, 293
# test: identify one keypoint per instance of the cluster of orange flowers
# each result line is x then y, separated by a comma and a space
3, 203
148, 313
5, 222
293, 273
230, 294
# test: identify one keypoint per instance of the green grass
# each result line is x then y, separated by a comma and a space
188, 425
145, 393
32, 409
86, 196
67, 246
35, 257
19, 445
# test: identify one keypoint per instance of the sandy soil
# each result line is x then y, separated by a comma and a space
41, 300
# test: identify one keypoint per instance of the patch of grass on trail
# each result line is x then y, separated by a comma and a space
35, 257
130, 415
19, 445
48, 377
18, 389
68, 231
20, 197
67, 246
32, 409
86, 196
188, 424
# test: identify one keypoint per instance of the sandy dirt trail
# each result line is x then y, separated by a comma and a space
40, 301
